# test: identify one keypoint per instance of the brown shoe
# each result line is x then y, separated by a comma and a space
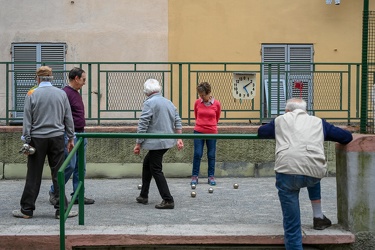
321, 224
142, 200
165, 205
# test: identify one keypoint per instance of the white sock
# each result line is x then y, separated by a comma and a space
317, 210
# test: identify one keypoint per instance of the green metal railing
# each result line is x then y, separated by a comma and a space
81, 156
61, 182
114, 90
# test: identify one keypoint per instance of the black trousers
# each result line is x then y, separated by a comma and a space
153, 167
53, 148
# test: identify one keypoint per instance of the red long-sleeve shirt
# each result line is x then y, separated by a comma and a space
206, 117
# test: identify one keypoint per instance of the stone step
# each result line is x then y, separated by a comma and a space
151, 236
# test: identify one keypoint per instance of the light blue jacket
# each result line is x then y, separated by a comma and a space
160, 116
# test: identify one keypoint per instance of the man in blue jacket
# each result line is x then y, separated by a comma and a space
300, 162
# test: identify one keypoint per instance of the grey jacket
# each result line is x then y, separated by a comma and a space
159, 115
47, 113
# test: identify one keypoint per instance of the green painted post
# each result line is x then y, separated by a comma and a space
260, 91
61, 183
64, 212
98, 95
180, 89
364, 90
189, 95
269, 91
7, 93
357, 82
81, 178
89, 75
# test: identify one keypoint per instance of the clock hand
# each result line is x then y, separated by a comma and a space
247, 85
244, 87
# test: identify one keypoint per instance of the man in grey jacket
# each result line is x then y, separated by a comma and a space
159, 115
300, 161
47, 116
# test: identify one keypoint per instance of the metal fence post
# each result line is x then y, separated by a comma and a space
180, 88
364, 92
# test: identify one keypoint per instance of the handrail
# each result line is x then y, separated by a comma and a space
61, 182
167, 136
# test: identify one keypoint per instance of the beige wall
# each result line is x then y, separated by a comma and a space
94, 30
233, 30
196, 30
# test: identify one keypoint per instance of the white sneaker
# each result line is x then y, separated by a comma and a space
70, 215
19, 214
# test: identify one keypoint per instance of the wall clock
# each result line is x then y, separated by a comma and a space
243, 85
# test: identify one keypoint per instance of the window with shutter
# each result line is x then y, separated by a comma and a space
300, 84
292, 79
25, 58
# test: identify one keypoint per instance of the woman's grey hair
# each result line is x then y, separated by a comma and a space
151, 86
46, 78
295, 103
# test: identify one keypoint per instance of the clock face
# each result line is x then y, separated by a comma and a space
243, 86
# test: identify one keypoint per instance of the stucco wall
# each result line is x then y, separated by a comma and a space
93, 30
224, 30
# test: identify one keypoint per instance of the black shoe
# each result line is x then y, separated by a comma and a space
142, 200
87, 201
321, 224
165, 205
52, 198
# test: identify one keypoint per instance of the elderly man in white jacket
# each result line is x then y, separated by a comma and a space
300, 161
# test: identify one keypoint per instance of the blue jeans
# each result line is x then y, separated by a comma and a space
289, 187
314, 192
198, 153
72, 167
